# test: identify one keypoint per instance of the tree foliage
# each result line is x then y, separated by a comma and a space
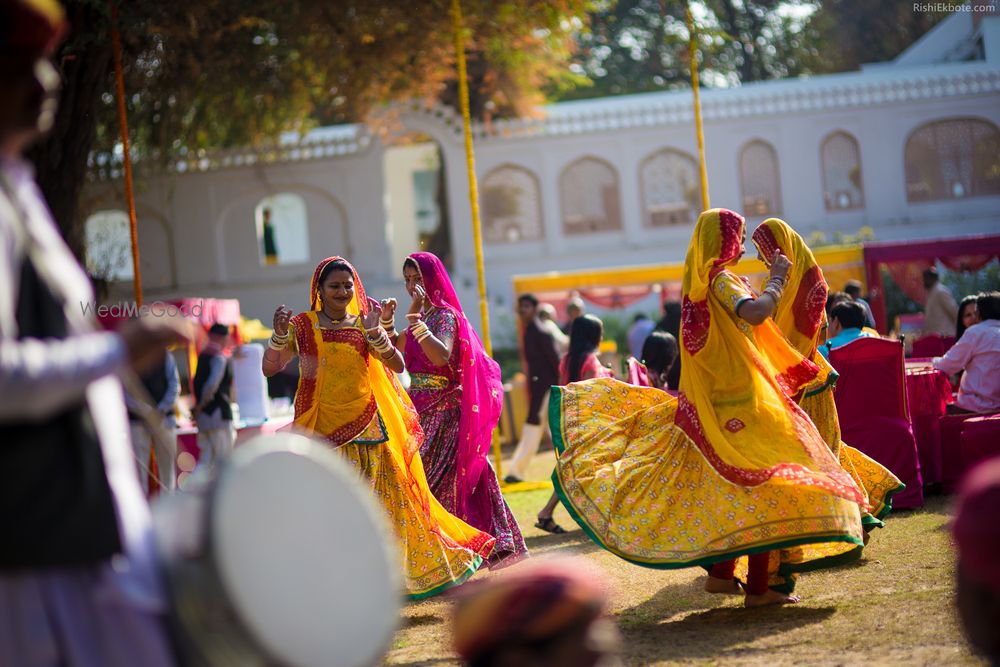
635, 46
847, 33
219, 73
232, 72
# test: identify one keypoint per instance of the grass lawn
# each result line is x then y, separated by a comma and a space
894, 607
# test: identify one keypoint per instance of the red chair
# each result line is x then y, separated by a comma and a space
932, 345
980, 439
952, 466
871, 402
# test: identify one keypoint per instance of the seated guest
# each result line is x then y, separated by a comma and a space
641, 327
847, 321
652, 368
978, 354
853, 290
977, 536
967, 315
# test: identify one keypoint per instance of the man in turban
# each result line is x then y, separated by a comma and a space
977, 536
547, 613
78, 584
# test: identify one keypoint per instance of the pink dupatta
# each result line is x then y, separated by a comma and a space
479, 375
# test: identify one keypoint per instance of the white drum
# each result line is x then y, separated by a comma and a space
283, 559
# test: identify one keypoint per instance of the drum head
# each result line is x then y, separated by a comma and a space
304, 553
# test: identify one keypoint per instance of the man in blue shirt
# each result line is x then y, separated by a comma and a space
846, 321
853, 290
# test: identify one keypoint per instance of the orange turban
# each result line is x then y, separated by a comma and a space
534, 602
977, 533
31, 27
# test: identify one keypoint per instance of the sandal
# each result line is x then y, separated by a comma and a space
549, 526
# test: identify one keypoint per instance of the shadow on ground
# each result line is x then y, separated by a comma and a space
708, 633
574, 541
422, 619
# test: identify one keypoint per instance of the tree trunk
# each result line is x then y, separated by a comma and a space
61, 158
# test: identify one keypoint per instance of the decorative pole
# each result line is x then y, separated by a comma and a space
470, 168
116, 44
699, 131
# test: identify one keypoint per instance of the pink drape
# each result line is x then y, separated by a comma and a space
482, 388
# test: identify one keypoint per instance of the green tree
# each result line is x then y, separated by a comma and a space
636, 46
221, 73
844, 34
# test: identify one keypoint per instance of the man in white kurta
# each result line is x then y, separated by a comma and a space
64, 602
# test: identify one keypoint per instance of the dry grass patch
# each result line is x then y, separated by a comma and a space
893, 607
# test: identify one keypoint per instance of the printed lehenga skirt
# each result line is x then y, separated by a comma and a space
641, 488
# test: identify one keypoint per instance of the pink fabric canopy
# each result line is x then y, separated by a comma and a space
906, 261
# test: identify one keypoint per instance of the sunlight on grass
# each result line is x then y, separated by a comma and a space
895, 606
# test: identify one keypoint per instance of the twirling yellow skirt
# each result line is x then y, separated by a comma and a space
877, 481
438, 549
640, 488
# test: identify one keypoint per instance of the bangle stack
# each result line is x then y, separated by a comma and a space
420, 330
379, 341
388, 325
278, 342
775, 287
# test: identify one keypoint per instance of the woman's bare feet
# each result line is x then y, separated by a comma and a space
724, 586
769, 598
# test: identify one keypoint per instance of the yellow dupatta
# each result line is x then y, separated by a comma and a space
801, 313
402, 428
736, 390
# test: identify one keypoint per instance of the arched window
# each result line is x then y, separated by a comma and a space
108, 245
841, 162
759, 180
953, 159
282, 229
588, 192
671, 194
512, 207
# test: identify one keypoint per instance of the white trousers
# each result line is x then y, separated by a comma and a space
531, 439
166, 455
215, 444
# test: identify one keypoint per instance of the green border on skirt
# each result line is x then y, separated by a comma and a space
555, 425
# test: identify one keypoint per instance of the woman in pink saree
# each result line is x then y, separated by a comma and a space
456, 388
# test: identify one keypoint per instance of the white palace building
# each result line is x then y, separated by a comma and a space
909, 148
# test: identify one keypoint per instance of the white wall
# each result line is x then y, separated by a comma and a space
203, 243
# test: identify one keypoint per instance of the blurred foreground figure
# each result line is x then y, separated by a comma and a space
77, 579
977, 536
547, 613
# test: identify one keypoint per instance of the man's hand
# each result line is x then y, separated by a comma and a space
147, 339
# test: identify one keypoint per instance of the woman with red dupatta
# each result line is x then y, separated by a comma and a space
733, 467
348, 396
456, 389
801, 316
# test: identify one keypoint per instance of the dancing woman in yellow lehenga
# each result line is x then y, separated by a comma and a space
732, 467
349, 397
801, 317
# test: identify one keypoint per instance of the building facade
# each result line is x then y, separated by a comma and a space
909, 148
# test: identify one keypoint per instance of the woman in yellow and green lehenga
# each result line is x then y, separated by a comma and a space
802, 318
731, 468
349, 397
